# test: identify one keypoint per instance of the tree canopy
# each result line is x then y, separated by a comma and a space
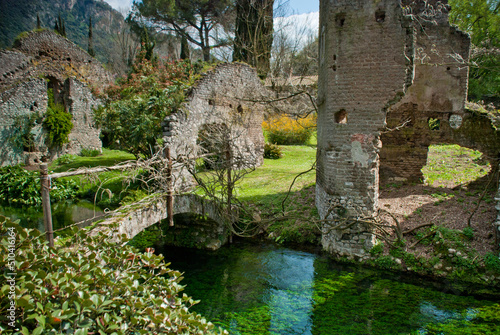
196, 20
481, 19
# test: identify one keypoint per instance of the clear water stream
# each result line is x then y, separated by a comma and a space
263, 288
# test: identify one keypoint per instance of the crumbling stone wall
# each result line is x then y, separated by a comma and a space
364, 68
47, 54
438, 94
39, 61
229, 95
387, 68
30, 97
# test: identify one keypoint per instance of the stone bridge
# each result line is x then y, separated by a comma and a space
209, 233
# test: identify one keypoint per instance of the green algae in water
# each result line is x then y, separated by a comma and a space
267, 289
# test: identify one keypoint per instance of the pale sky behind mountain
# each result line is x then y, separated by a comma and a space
296, 6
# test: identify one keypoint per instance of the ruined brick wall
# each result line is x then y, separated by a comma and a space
438, 92
39, 61
45, 53
229, 95
363, 69
31, 97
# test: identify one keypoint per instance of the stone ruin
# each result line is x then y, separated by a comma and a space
40, 61
227, 98
393, 80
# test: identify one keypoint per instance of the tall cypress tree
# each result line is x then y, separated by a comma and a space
38, 23
91, 44
254, 33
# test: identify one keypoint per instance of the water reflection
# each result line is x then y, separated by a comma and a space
268, 289
63, 214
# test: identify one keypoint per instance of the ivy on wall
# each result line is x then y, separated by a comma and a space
57, 122
24, 138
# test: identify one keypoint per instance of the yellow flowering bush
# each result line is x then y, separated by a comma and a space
284, 130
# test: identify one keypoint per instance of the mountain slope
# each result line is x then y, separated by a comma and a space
17, 16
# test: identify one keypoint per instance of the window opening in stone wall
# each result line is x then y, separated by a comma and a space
380, 16
452, 166
434, 124
340, 19
341, 116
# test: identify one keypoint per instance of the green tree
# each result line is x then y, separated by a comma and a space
91, 42
131, 118
201, 17
147, 46
254, 33
481, 19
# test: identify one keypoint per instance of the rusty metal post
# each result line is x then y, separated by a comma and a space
47, 213
170, 198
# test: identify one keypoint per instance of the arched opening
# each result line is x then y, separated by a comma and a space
213, 145
190, 230
453, 166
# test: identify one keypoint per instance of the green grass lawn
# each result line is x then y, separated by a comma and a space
452, 165
108, 186
275, 175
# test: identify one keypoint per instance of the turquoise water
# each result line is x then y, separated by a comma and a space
267, 289
63, 214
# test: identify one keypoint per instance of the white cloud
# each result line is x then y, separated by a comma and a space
300, 28
120, 4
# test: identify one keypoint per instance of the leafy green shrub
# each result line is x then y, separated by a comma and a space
57, 122
23, 137
90, 285
133, 111
65, 159
386, 262
272, 151
20, 187
492, 262
89, 152
377, 249
468, 233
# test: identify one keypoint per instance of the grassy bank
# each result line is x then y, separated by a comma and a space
107, 188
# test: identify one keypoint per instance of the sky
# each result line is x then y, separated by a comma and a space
296, 6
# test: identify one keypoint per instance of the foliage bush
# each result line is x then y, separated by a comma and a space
23, 137
272, 151
284, 130
377, 249
20, 187
65, 159
135, 107
57, 122
89, 285
89, 152
492, 262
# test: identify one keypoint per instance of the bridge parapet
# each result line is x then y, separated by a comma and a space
131, 220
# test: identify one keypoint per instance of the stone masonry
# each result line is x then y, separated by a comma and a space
432, 111
40, 61
372, 53
228, 95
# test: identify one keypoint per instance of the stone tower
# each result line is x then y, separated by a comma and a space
366, 65
371, 54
